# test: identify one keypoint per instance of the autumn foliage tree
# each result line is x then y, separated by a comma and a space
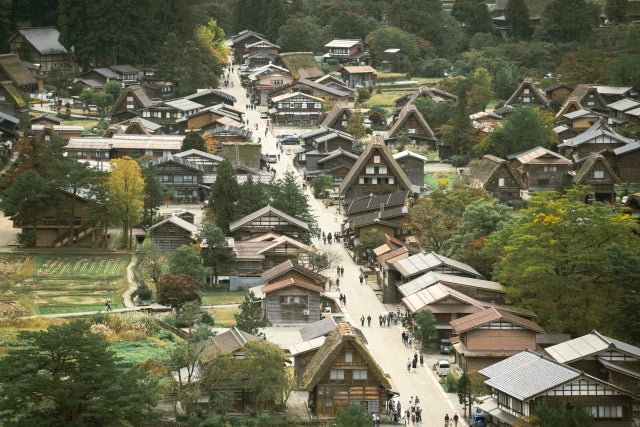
126, 195
175, 291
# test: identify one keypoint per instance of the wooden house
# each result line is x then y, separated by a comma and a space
483, 290
343, 371
96, 149
337, 118
291, 301
557, 93
336, 163
260, 253
209, 97
326, 140
133, 126
130, 103
413, 126
578, 121
498, 178
413, 166
13, 70
212, 117
266, 80
627, 163
491, 335
347, 51
41, 45
64, 132
295, 109
290, 269
615, 93
395, 60
584, 96
68, 220
171, 233
269, 220
127, 74
182, 178
330, 95
384, 221
9, 128
433, 93
520, 383
230, 344
375, 172
359, 76
606, 358
541, 169
598, 138
240, 41
303, 353
167, 113
595, 173
528, 94
619, 108
260, 53
96, 78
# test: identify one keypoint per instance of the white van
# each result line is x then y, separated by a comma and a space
272, 157
443, 368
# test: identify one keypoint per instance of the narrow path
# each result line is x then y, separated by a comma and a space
127, 301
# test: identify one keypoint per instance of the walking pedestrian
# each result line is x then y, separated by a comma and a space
362, 320
107, 305
344, 299
369, 320
414, 363
341, 271
361, 278
421, 360
337, 281
455, 419
408, 364
338, 270
329, 238
446, 420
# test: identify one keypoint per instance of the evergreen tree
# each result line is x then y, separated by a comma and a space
153, 194
193, 141
616, 11
251, 319
287, 195
517, 15
473, 15
224, 196
67, 376
252, 196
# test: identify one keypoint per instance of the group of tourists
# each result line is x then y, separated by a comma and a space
411, 415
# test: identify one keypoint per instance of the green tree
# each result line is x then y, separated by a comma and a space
517, 15
26, 199
576, 416
436, 113
435, 219
355, 126
387, 37
250, 319
152, 261
268, 379
186, 260
176, 291
224, 196
524, 129
193, 141
58, 79
66, 375
301, 34
458, 132
216, 253
321, 183
126, 195
558, 26
480, 93
153, 194
252, 195
354, 415
287, 195
425, 327
557, 259
470, 386
473, 15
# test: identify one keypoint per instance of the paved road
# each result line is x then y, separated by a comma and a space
383, 342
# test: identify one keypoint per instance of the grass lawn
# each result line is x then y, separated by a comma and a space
431, 179
141, 350
60, 283
222, 297
224, 316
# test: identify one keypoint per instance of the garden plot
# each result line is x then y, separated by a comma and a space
93, 267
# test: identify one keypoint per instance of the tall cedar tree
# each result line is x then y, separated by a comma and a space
126, 195
287, 195
68, 376
473, 15
193, 141
250, 318
224, 196
517, 15
216, 254
559, 26
252, 196
153, 193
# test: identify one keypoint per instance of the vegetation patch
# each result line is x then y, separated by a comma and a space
224, 317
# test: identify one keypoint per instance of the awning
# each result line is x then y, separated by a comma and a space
490, 407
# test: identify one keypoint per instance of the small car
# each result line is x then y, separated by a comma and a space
264, 115
272, 157
290, 140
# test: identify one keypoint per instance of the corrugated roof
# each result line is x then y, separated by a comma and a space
227, 342
491, 314
294, 94
375, 202
343, 43
432, 278
588, 345
185, 225
424, 262
624, 104
289, 283
127, 141
527, 374
44, 39
184, 104
263, 211
288, 265
321, 328
306, 346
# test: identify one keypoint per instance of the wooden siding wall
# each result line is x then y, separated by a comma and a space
628, 167
537, 179
504, 339
278, 313
414, 169
169, 237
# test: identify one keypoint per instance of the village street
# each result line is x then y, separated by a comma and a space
383, 342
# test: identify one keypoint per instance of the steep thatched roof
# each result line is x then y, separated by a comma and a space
11, 68
301, 64
485, 169
587, 168
345, 335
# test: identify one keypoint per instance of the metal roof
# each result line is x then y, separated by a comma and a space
432, 278
587, 345
45, 40
184, 104
527, 374
342, 43
423, 262
321, 328
306, 346
624, 104
128, 141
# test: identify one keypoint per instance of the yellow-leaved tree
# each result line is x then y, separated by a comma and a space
126, 194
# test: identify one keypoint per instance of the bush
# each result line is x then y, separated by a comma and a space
451, 383
143, 291
27, 238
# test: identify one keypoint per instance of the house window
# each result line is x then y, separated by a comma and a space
605, 411
500, 182
391, 180
550, 169
361, 180
81, 155
526, 99
526, 91
370, 170
374, 180
359, 374
129, 98
411, 131
376, 159
130, 107
348, 357
598, 174
336, 374
382, 170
